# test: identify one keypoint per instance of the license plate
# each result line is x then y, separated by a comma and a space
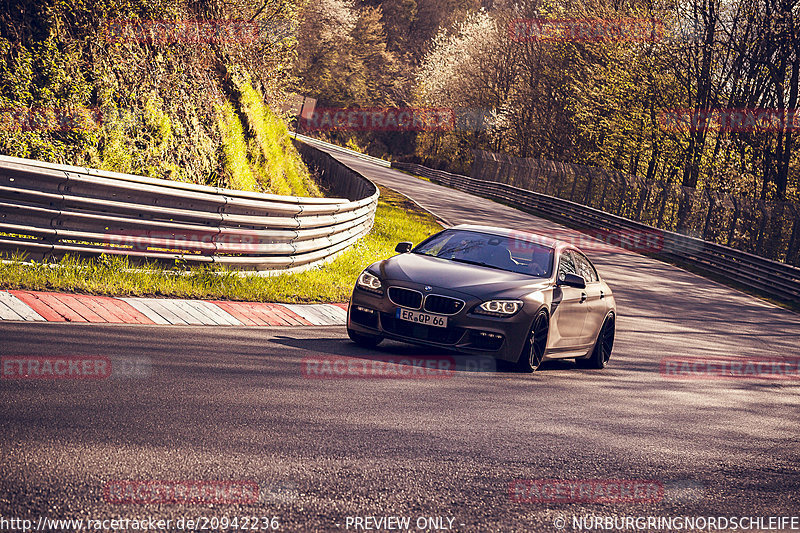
422, 318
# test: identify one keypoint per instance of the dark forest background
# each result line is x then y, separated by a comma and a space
188, 111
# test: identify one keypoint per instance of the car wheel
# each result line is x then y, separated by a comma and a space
533, 352
603, 346
367, 341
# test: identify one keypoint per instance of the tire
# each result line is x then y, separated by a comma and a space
533, 351
602, 348
365, 341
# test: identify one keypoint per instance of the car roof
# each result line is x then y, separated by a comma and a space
514, 233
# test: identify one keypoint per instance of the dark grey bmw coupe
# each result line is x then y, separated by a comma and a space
519, 297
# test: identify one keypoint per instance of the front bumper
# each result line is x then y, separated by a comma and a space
502, 338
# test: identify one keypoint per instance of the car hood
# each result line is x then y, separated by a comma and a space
469, 279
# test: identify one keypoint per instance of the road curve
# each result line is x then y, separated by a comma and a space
232, 404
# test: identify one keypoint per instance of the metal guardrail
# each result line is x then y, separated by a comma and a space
48, 210
768, 228
329, 146
775, 279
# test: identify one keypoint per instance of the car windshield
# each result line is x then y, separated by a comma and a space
515, 253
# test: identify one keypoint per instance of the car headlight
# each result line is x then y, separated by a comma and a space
499, 308
369, 282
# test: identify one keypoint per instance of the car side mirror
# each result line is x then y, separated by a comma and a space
571, 280
403, 247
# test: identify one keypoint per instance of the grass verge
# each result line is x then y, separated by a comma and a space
397, 219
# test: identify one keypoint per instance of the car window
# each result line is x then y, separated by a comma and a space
513, 254
584, 267
566, 265
439, 245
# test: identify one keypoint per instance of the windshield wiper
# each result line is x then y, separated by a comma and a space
459, 260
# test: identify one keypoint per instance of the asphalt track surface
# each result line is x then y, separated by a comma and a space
211, 403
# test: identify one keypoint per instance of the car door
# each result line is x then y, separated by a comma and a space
595, 298
568, 312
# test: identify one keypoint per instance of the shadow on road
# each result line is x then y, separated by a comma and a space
409, 355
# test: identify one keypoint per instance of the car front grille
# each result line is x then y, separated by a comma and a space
405, 297
443, 305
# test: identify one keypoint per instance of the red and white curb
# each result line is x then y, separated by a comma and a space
59, 307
